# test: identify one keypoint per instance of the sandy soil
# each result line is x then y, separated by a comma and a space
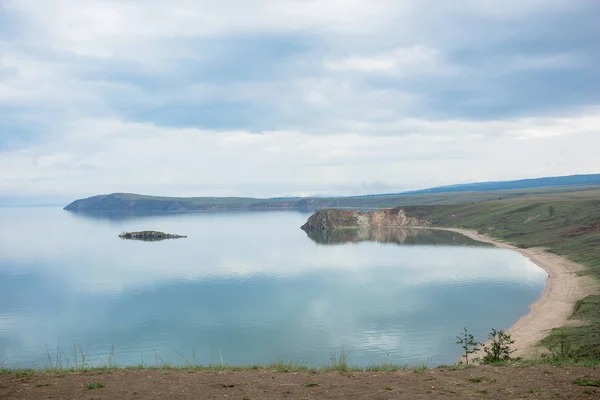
554, 307
544, 382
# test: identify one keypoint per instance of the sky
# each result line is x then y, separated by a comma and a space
271, 98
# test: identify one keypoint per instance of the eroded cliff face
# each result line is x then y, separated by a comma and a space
339, 219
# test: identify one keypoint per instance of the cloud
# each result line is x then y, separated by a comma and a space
318, 97
103, 156
413, 59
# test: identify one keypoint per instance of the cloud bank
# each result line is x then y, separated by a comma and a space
271, 98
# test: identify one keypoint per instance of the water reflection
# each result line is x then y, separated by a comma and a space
251, 286
406, 236
120, 216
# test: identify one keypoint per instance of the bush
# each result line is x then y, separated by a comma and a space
499, 349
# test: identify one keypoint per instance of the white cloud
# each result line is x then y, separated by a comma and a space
414, 59
102, 156
134, 29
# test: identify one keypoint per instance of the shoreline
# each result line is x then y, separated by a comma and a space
554, 307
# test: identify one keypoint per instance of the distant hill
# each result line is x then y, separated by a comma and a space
446, 195
556, 181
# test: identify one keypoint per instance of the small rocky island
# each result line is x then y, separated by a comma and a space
150, 236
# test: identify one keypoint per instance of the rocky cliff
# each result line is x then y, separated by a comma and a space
340, 219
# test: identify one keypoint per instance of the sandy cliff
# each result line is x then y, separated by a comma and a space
340, 219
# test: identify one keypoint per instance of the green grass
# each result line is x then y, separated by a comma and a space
420, 368
22, 373
478, 379
311, 384
573, 230
338, 361
278, 367
94, 385
388, 367
292, 367
456, 367
553, 361
587, 382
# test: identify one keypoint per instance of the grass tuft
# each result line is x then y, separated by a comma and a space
478, 379
587, 382
339, 361
419, 369
387, 367
94, 385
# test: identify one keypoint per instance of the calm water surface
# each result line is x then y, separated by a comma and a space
243, 288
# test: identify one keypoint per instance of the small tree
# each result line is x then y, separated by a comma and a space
551, 211
562, 349
468, 344
499, 349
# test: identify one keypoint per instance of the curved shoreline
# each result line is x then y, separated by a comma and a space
554, 307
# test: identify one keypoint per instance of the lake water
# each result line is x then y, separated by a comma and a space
244, 288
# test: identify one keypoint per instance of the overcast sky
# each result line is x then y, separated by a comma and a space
293, 97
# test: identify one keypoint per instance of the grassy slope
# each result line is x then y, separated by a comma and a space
125, 201
571, 230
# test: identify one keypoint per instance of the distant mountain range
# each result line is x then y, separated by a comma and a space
454, 194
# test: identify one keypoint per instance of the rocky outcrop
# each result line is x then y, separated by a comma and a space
149, 236
341, 219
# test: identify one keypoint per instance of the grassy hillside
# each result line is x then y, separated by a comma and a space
127, 202
566, 227
567, 224
557, 181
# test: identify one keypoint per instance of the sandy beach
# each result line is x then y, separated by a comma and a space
553, 309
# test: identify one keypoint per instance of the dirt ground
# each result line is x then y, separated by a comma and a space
485, 382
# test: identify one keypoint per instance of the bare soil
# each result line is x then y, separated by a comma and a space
582, 230
486, 382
